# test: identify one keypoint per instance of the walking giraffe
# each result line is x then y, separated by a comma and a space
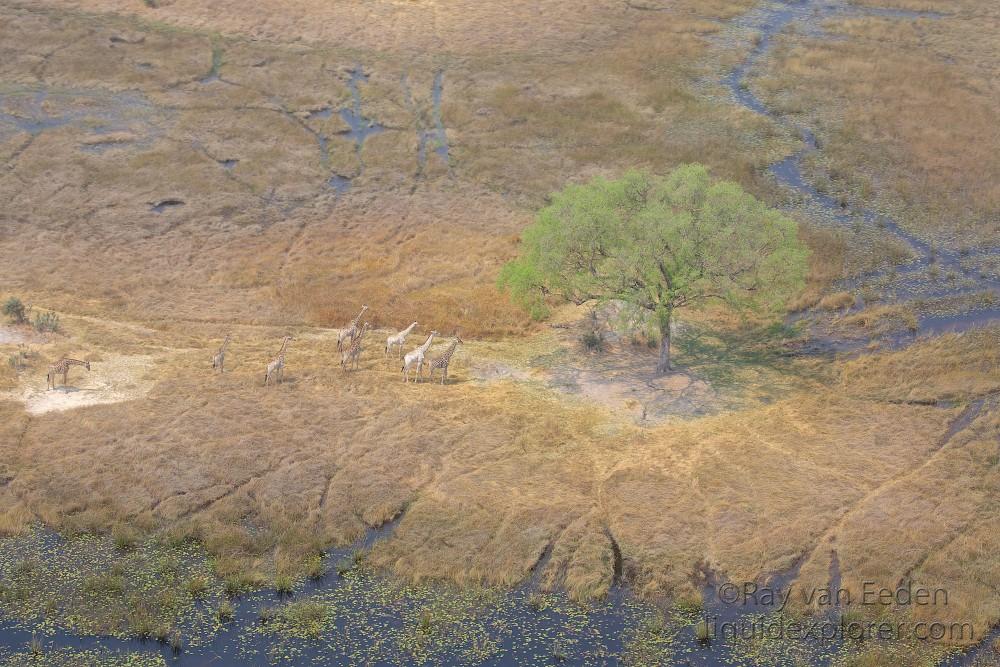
276, 369
416, 357
350, 331
445, 359
398, 339
219, 360
353, 354
61, 367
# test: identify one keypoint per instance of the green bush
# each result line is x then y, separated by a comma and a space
46, 322
15, 310
593, 340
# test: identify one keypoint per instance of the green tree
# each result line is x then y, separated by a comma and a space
658, 245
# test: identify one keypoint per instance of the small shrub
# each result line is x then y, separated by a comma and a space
104, 585
703, 631
236, 585
315, 568
655, 625
426, 622
197, 586
283, 584
176, 642
307, 617
15, 310
837, 301
51, 608
593, 340
559, 652
225, 612
46, 322
24, 567
265, 613
141, 623
537, 601
35, 646
125, 537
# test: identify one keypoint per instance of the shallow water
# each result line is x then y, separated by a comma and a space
37, 110
361, 617
934, 273
370, 619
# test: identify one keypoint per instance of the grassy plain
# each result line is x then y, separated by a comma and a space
761, 459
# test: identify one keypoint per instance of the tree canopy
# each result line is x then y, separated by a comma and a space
659, 244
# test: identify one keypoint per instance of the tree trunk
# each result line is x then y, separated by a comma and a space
663, 365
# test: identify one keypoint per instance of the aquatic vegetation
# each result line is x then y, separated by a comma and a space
225, 611
87, 585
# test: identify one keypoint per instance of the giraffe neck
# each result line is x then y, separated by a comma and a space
427, 343
225, 343
407, 330
357, 341
74, 362
450, 351
281, 352
354, 322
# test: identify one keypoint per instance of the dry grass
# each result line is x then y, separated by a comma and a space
828, 251
264, 240
955, 367
913, 128
488, 474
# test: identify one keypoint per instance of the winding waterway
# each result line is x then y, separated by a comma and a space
934, 273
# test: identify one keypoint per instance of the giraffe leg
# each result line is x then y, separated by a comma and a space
444, 375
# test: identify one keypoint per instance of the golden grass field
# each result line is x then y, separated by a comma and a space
752, 460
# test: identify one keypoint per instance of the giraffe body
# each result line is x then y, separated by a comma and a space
350, 332
398, 340
416, 357
219, 360
352, 355
444, 360
276, 369
61, 367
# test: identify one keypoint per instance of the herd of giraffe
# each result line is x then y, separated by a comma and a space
349, 342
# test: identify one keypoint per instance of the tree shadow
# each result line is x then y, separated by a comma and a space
725, 357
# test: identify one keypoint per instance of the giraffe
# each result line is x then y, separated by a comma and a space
398, 339
350, 331
220, 357
61, 367
416, 357
351, 355
276, 369
445, 359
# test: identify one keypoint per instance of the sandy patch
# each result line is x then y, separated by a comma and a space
491, 371
18, 335
113, 380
